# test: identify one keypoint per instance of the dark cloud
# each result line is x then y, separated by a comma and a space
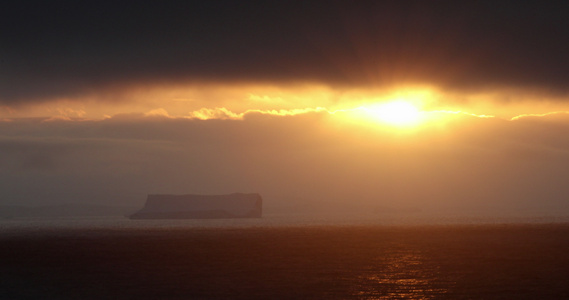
66, 48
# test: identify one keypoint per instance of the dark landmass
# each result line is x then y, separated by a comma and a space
63, 211
429, 262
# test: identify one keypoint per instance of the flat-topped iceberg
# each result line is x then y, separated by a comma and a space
236, 205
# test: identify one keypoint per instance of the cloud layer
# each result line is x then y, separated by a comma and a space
64, 49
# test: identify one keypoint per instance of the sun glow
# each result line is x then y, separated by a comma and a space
399, 113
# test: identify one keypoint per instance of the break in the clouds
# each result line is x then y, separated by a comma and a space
71, 50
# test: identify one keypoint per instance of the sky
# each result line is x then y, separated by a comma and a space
460, 105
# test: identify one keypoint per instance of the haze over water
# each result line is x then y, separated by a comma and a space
276, 220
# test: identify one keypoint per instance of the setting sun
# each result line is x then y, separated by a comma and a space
398, 113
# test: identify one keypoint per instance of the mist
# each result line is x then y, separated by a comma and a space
306, 162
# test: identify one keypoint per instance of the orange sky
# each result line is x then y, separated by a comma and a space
287, 101
186, 101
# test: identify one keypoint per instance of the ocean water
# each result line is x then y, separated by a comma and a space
277, 220
325, 256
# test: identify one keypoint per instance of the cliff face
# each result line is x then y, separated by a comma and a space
237, 205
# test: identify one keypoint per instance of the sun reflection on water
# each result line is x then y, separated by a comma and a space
402, 275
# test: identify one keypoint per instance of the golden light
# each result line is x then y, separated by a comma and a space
399, 113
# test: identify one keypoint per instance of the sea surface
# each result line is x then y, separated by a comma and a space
288, 256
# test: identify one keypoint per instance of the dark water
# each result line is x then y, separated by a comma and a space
488, 261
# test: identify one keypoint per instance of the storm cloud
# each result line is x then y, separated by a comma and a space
68, 49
